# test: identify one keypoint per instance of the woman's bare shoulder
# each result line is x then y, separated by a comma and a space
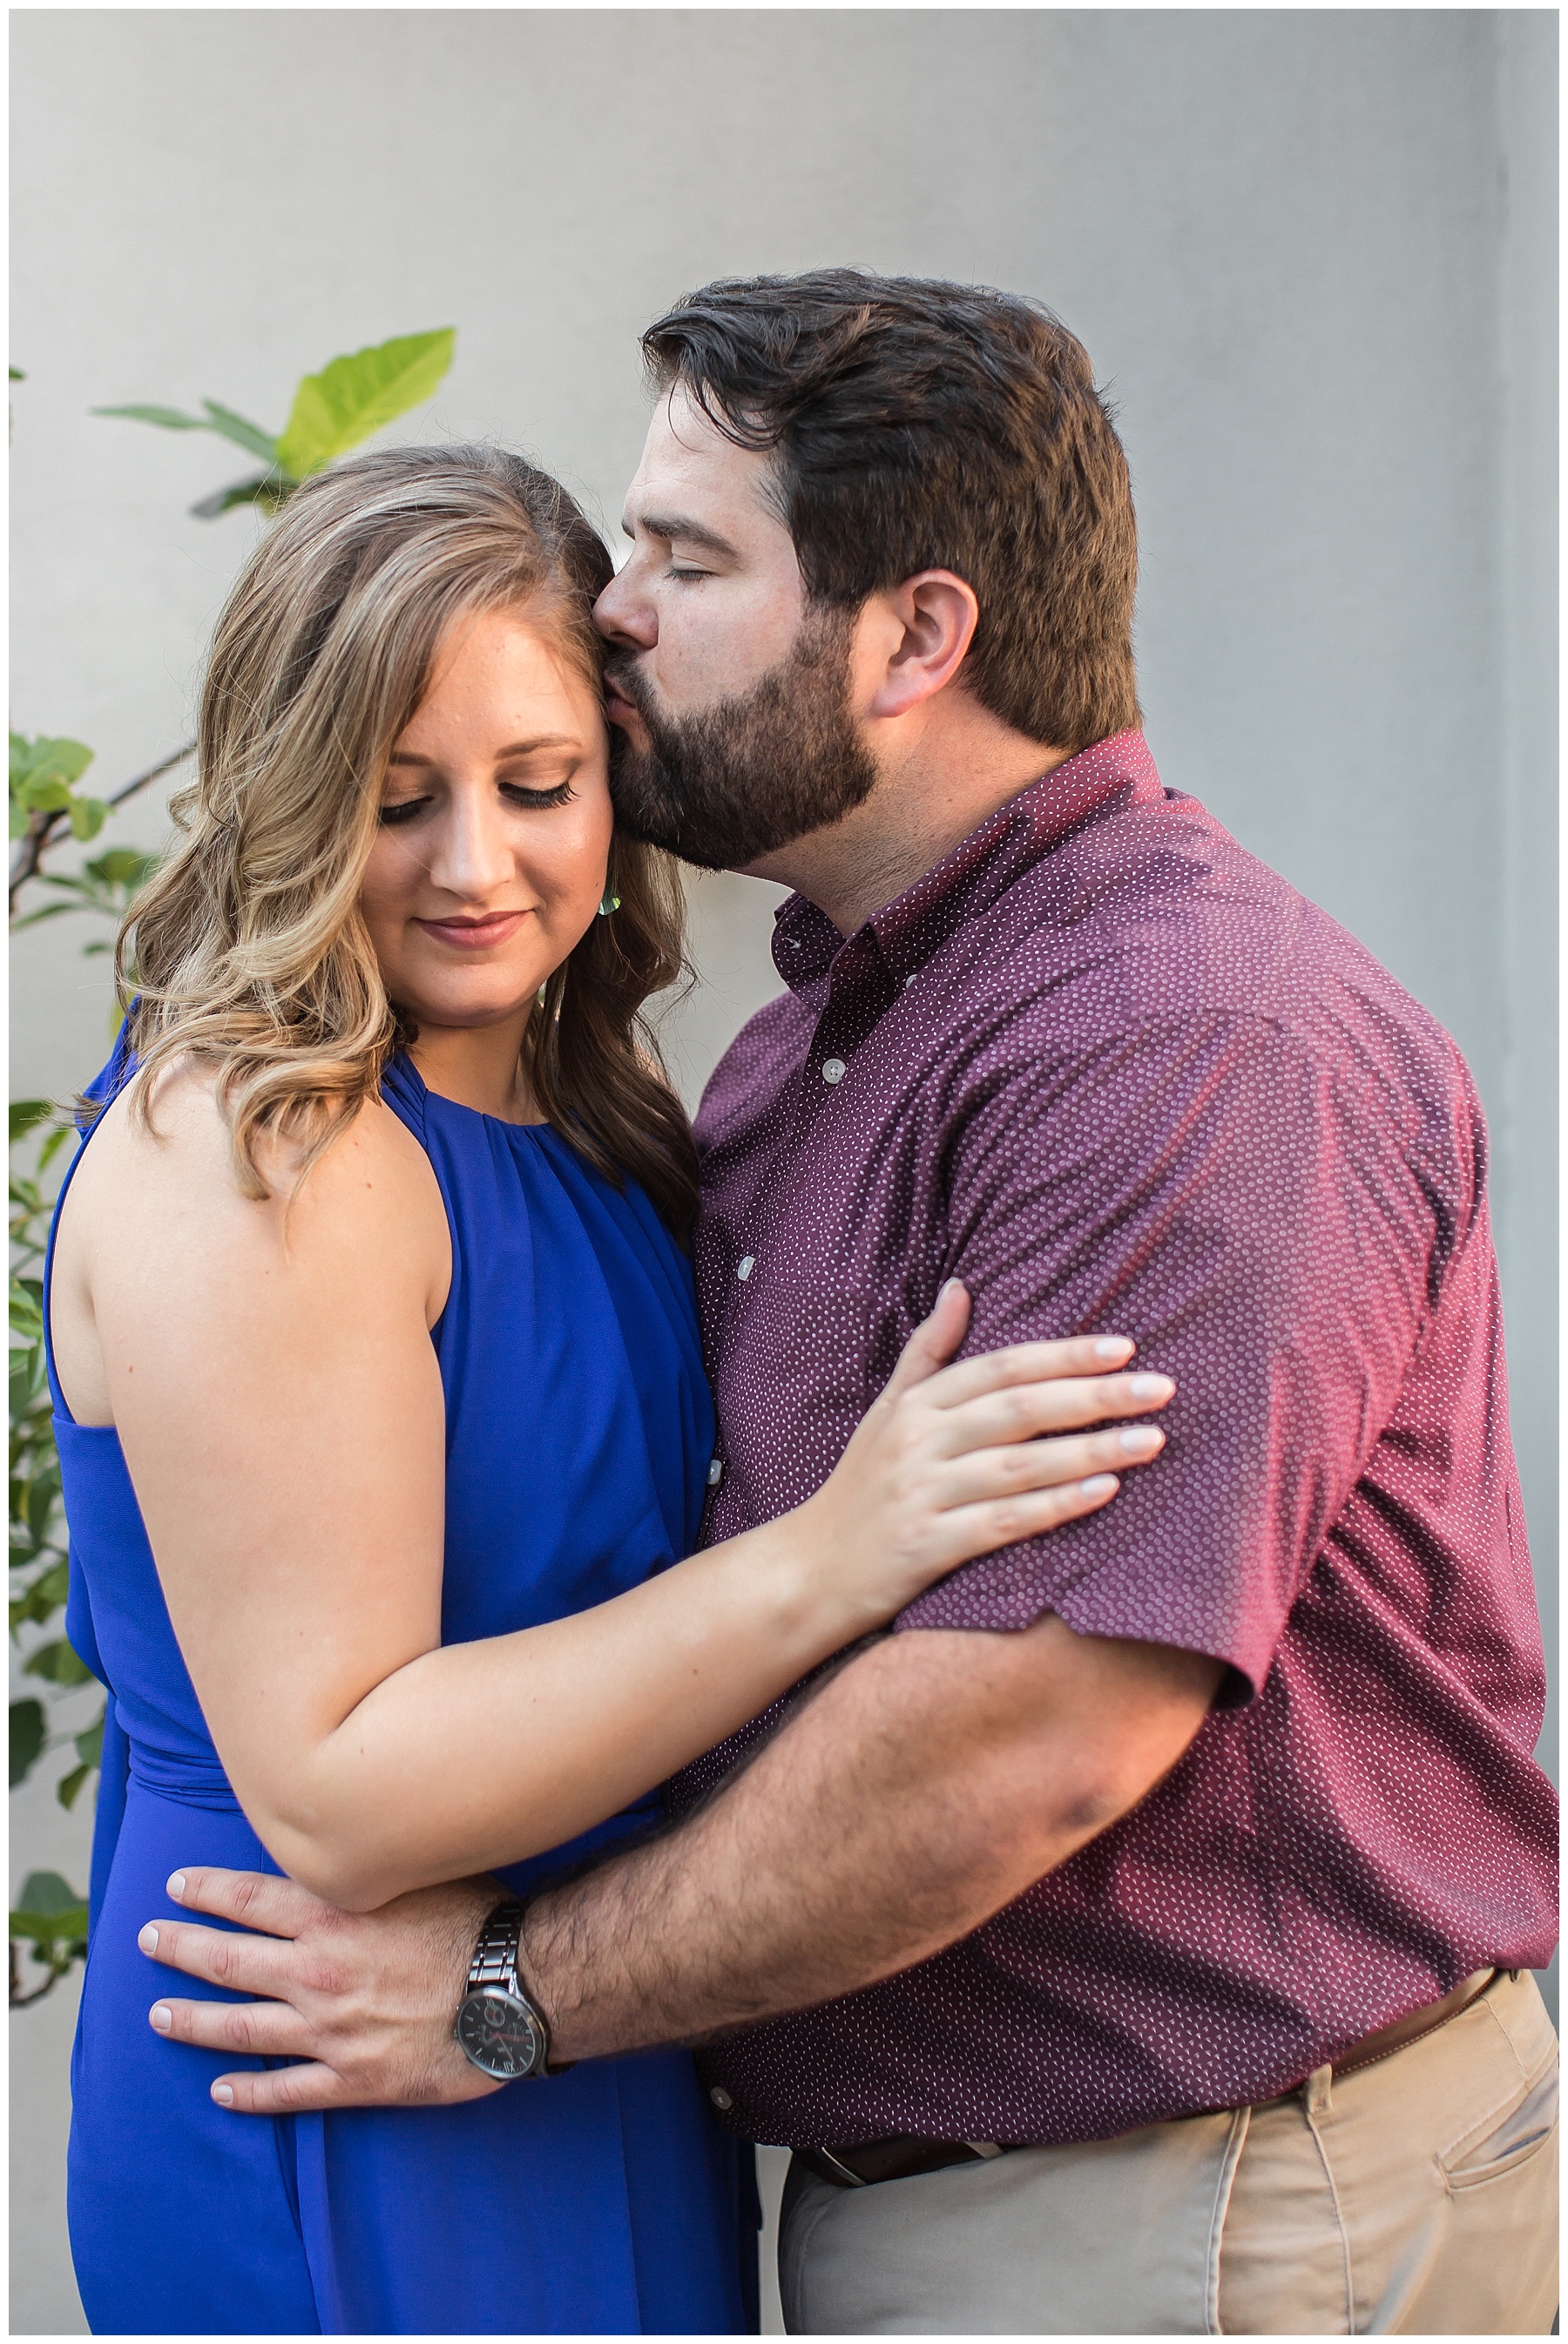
162, 1182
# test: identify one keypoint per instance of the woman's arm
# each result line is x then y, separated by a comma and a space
270, 1373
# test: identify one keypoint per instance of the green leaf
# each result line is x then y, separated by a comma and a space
88, 816
26, 1313
107, 885
244, 434
27, 1732
167, 419
52, 1916
50, 1897
17, 375
42, 1498
358, 394
45, 1596
123, 866
67, 1790
59, 1664
267, 490
57, 1939
27, 1114
42, 793
42, 774
47, 758
90, 1745
217, 417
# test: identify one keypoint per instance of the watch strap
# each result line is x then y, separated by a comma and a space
494, 1961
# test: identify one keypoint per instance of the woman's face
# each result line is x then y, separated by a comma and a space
490, 861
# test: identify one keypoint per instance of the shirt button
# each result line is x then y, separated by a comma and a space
720, 2097
833, 1072
745, 1266
715, 1471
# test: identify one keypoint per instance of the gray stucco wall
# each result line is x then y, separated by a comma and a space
1312, 254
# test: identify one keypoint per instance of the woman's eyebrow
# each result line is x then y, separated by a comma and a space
513, 749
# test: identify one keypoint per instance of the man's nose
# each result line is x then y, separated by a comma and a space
623, 614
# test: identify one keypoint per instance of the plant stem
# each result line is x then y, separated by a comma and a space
44, 827
19, 2001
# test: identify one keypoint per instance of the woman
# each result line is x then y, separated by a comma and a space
370, 1322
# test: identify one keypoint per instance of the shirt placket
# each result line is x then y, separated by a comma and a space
860, 991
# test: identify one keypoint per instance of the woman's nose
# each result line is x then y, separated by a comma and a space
473, 846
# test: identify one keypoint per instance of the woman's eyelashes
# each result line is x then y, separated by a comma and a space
522, 794
401, 810
397, 813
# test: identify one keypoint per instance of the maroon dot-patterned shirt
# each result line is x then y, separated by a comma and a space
1121, 1077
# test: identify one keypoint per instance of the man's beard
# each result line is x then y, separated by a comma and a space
728, 784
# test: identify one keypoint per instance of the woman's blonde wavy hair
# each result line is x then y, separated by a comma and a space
248, 950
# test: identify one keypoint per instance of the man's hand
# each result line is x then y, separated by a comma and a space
365, 1999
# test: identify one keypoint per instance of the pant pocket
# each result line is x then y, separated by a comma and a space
1505, 2140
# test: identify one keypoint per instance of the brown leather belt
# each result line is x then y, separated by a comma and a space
863, 2162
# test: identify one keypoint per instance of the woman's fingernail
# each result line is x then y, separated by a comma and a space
148, 1940
1114, 1346
177, 1884
224, 2094
1151, 1387
161, 2017
952, 1286
1099, 1485
1140, 1439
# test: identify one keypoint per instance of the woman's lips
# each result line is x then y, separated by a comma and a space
474, 935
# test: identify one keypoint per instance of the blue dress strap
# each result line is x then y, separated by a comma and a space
114, 1760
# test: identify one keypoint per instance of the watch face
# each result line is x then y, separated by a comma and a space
499, 2033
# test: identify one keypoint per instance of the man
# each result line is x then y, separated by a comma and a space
1137, 1938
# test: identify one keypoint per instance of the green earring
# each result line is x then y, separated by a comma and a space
607, 905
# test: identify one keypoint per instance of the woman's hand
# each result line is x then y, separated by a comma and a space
952, 1462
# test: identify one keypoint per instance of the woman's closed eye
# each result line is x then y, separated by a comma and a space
522, 794
397, 813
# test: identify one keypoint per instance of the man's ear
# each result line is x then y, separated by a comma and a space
924, 628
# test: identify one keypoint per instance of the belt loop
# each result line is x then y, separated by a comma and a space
1317, 2091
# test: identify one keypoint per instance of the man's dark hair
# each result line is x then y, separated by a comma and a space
918, 425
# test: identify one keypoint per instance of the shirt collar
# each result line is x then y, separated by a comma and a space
905, 932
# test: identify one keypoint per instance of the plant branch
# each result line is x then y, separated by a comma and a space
19, 2000
44, 828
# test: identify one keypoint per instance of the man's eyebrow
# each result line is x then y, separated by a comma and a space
674, 526
513, 749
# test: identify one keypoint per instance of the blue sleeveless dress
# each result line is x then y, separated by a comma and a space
607, 2200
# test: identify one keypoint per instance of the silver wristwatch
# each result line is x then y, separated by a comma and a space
499, 2024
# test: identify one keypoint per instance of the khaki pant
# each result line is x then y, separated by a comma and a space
1415, 2197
